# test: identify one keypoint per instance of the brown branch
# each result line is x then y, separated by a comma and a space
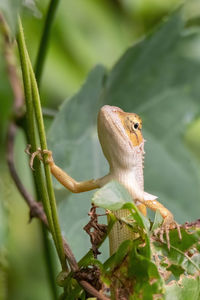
36, 210
188, 225
12, 69
92, 291
95, 230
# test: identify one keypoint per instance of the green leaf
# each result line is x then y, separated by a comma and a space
196, 259
112, 196
141, 220
188, 288
176, 270
143, 224
178, 254
122, 252
138, 273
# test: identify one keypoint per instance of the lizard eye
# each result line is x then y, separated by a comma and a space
136, 125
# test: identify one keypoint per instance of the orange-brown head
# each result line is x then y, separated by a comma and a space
120, 137
132, 124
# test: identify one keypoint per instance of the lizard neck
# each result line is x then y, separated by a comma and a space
128, 170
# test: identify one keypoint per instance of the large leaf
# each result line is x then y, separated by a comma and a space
155, 79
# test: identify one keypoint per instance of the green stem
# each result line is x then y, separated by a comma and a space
45, 39
31, 126
32, 93
41, 129
48, 256
41, 194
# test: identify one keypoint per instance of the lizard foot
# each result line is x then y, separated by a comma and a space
168, 224
39, 153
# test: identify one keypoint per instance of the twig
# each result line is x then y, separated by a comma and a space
95, 230
45, 39
92, 291
195, 224
36, 210
11, 68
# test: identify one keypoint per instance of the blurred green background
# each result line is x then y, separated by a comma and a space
85, 33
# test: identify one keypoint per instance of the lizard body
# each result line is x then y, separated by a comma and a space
122, 143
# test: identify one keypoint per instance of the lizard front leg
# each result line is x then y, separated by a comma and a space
66, 180
168, 223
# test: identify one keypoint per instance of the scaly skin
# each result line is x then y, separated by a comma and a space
122, 143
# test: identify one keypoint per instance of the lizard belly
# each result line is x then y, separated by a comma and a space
128, 179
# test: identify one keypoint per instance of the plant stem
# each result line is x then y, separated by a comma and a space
45, 39
41, 129
31, 92
31, 136
48, 256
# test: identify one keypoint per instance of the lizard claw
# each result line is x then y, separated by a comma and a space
33, 155
38, 153
167, 225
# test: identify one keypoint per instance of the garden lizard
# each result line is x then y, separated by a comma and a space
122, 143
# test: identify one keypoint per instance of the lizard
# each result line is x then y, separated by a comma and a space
122, 142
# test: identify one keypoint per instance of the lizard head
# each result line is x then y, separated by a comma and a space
119, 133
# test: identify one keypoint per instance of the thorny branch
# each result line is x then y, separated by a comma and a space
36, 208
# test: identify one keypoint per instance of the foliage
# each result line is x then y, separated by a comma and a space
143, 272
